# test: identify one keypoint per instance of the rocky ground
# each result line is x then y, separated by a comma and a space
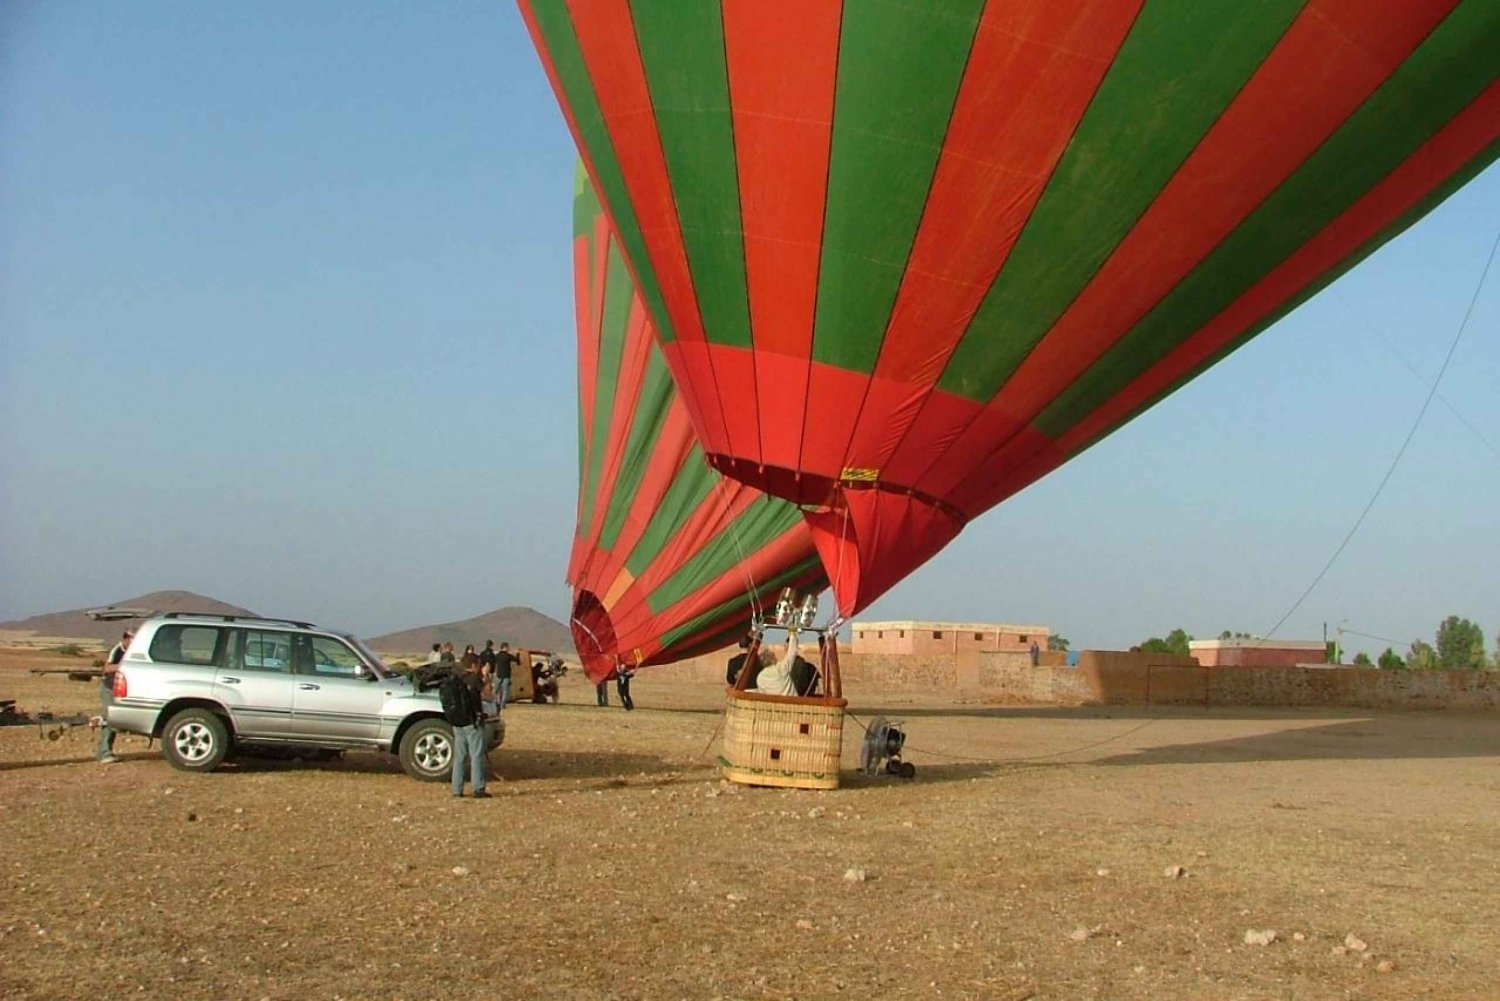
1040, 853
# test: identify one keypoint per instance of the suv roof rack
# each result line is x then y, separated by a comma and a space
238, 618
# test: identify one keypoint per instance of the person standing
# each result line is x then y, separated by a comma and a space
737, 662
601, 692
460, 696
487, 656
447, 656
436, 655
505, 662
106, 752
1036, 653
623, 675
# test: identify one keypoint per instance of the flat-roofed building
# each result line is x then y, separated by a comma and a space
1258, 652
925, 638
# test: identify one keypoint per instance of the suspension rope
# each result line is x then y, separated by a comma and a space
1137, 728
751, 588
1431, 392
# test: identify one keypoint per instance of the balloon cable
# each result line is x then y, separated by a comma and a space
1431, 392
734, 533
1137, 728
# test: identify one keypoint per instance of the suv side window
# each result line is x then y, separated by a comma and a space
185, 644
268, 652
333, 657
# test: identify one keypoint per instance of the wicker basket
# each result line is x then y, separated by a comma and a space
785, 740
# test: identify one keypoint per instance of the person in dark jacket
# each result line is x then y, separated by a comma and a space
463, 710
505, 662
623, 675
804, 676
737, 662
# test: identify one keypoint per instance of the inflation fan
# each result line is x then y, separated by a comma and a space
883, 742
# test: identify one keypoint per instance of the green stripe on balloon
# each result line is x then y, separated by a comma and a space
1442, 76
618, 291
766, 588
556, 27
1409, 218
898, 78
682, 52
657, 394
585, 207
756, 527
1180, 66
689, 487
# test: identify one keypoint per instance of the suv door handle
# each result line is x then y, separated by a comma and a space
230, 681
309, 688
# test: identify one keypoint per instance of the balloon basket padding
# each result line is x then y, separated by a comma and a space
782, 740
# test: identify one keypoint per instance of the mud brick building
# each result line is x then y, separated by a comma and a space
928, 638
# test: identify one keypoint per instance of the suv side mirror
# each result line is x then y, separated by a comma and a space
363, 673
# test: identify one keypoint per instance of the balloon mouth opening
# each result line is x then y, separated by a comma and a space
593, 634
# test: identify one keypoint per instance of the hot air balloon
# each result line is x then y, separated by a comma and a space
906, 258
669, 558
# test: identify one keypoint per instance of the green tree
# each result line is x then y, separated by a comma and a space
1362, 659
1057, 642
1460, 644
1227, 635
1390, 660
1421, 656
1176, 643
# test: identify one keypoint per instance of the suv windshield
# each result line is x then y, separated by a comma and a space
371, 657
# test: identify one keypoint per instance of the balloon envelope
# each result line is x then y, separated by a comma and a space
906, 258
668, 556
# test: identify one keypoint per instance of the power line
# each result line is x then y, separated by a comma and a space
1371, 636
1447, 359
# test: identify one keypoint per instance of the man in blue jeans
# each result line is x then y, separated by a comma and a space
462, 709
505, 663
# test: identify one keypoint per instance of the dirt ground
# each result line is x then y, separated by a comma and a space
1029, 859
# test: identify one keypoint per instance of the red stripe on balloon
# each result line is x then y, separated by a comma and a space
606, 39
725, 502
674, 444
1002, 145
588, 368
1447, 152
782, 59
1331, 59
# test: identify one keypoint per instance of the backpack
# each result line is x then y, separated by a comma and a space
452, 696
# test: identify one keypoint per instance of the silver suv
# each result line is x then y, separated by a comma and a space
205, 684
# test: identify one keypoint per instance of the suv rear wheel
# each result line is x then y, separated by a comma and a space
427, 750
195, 740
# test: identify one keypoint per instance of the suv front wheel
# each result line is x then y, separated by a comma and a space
195, 740
427, 750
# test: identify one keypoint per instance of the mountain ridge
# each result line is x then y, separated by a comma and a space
521, 626
74, 624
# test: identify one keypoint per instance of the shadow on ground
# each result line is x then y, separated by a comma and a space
1368, 738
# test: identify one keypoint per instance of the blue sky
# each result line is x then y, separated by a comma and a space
285, 318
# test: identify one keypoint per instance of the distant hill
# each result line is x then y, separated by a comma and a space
75, 625
519, 626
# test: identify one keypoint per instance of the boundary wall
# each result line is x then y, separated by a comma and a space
1117, 678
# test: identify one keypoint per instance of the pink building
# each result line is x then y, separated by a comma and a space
1258, 653
926, 638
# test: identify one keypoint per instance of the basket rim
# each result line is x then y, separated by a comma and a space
823, 701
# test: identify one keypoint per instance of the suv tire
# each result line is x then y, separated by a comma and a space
195, 740
427, 751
